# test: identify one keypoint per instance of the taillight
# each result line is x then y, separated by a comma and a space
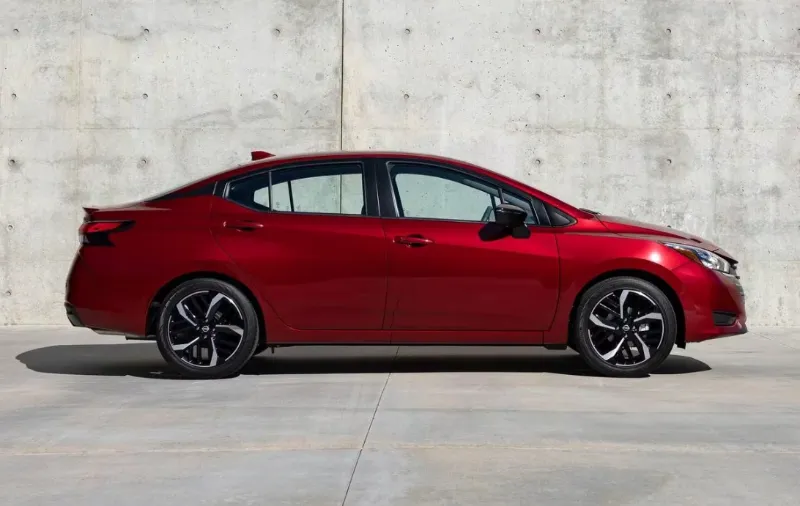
96, 233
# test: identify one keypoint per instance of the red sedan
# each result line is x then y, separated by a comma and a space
392, 248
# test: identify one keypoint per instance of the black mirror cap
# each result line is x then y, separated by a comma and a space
509, 216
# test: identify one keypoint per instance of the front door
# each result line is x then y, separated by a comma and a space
308, 244
446, 273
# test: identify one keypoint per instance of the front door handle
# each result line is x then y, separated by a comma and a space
413, 241
243, 225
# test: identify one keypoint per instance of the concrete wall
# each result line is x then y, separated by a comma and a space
109, 101
678, 112
682, 112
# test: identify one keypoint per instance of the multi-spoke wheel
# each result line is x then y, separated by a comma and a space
626, 327
207, 329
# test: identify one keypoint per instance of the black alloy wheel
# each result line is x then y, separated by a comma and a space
626, 327
208, 329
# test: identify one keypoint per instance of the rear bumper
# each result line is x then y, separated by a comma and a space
99, 300
713, 303
72, 315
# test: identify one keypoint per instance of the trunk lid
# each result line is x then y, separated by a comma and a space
113, 211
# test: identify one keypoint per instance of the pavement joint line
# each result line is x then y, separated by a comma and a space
600, 448
374, 413
603, 448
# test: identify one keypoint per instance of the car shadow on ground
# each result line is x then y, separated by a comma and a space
143, 360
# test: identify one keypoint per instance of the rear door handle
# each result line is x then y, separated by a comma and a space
413, 241
243, 225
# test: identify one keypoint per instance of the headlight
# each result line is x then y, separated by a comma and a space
702, 256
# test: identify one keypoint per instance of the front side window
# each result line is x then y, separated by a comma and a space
324, 189
423, 191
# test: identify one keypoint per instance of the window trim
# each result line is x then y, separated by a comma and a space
385, 181
368, 186
550, 208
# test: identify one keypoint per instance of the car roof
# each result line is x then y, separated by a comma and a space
335, 155
322, 155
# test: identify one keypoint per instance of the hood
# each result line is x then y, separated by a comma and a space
620, 225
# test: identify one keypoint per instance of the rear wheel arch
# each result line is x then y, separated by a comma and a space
634, 273
154, 307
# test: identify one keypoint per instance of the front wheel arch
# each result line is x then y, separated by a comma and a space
153, 309
646, 276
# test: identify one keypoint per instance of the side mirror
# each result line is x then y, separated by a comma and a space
509, 216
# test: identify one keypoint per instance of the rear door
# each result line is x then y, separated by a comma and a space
309, 236
447, 269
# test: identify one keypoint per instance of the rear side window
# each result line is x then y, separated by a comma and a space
318, 189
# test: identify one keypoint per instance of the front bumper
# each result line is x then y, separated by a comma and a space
713, 303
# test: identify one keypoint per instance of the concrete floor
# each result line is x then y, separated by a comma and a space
86, 419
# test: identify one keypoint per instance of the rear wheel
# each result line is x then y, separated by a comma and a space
207, 329
626, 327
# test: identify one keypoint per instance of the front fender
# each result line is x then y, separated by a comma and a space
611, 256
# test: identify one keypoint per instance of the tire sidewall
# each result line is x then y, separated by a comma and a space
594, 295
249, 338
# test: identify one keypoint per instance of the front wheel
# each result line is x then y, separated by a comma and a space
207, 329
626, 327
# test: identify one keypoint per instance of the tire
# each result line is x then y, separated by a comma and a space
213, 345
630, 345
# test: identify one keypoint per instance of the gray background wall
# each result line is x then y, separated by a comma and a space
682, 112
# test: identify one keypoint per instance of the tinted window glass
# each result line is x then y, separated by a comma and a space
328, 189
424, 191
557, 218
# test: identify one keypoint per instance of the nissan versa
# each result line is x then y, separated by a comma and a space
392, 248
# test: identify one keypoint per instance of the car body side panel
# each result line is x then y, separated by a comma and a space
318, 272
464, 282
